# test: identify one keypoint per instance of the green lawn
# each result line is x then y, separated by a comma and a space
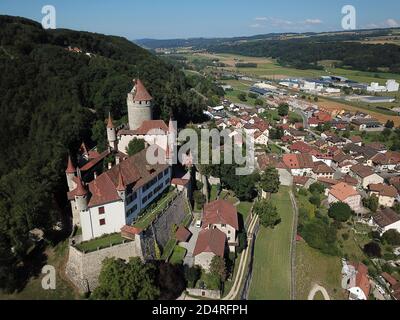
151, 214
244, 209
313, 267
33, 290
178, 255
272, 272
168, 249
100, 243
213, 193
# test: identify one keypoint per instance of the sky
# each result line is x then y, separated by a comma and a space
168, 19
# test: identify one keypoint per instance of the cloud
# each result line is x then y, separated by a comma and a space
313, 21
265, 22
388, 23
391, 23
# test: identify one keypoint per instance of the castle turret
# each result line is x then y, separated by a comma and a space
70, 174
111, 133
121, 188
140, 104
81, 196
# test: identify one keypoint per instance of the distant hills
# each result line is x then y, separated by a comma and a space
366, 50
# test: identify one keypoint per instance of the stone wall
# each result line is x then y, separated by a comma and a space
161, 229
211, 294
83, 269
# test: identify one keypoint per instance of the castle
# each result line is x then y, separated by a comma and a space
104, 203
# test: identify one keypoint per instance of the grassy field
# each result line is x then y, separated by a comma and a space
244, 209
270, 69
313, 267
177, 255
271, 275
33, 290
150, 215
99, 243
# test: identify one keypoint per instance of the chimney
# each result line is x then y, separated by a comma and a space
117, 159
95, 175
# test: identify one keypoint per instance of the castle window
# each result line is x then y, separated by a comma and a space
102, 222
102, 210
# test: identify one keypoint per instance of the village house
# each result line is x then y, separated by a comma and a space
385, 219
322, 170
222, 215
342, 192
210, 243
298, 164
386, 194
386, 161
365, 176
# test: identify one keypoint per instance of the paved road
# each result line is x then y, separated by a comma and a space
243, 262
316, 289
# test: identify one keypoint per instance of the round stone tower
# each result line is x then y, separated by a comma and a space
81, 196
111, 133
140, 104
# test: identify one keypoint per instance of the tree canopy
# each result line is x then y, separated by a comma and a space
340, 211
267, 212
119, 280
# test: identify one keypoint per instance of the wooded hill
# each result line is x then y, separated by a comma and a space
50, 100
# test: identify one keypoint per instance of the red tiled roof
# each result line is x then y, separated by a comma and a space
135, 172
362, 171
141, 94
362, 280
131, 230
301, 147
298, 161
70, 166
110, 122
383, 189
386, 217
92, 163
391, 280
220, 212
80, 189
300, 180
182, 234
322, 167
342, 191
148, 127
179, 182
210, 240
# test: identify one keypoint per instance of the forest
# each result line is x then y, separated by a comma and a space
50, 101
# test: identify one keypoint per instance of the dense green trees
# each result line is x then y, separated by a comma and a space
218, 268
372, 203
340, 211
119, 280
135, 146
269, 181
267, 212
283, 109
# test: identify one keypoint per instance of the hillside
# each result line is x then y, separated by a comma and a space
50, 101
367, 50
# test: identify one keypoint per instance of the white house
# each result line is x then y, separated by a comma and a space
222, 215
392, 86
116, 197
342, 192
385, 220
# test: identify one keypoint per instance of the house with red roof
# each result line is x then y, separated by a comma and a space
222, 215
342, 192
210, 243
386, 194
298, 164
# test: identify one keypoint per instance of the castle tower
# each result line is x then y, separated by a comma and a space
111, 133
70, 174
139, 105
81, 196
121, 188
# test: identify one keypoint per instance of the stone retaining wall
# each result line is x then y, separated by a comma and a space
83, 269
